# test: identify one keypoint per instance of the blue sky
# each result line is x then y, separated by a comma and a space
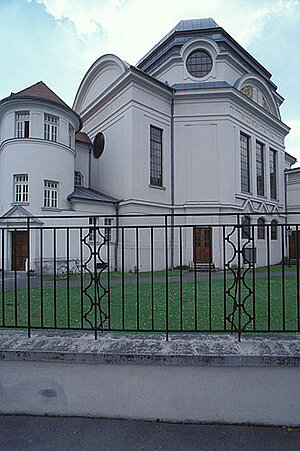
57, 40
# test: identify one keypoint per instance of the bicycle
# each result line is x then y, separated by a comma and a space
63, 273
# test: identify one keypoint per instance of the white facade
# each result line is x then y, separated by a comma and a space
201, 119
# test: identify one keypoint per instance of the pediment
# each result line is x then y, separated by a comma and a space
18, 215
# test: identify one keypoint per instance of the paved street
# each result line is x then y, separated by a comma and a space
20, 433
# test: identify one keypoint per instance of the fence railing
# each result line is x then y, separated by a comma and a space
207, 273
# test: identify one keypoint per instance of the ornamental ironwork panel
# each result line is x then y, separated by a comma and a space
239, 291
94, 289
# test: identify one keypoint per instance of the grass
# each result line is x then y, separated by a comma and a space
195, 312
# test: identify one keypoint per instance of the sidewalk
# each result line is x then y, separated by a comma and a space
60, 433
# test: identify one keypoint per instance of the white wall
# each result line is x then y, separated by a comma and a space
255, 395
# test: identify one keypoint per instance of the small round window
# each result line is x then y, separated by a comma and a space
199, 63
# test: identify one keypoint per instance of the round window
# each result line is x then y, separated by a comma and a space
199, 63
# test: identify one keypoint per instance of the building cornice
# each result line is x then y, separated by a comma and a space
233, 94
39, 141
13, 102
126, 80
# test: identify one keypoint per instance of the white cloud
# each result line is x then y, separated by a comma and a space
293, 139
130, 28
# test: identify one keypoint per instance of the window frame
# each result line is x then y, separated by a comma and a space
274, 234
22, 124
273, 175
248, 159
76, 175
246, 224
202, 68
260, 167
51, 126
71, 133
261, 229
156, 153
108, 231
24, 189
50, 194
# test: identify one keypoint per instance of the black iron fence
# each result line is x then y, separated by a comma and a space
205, 273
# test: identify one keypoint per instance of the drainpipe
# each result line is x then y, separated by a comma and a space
90, 166
117, 238
172, 179
285, 209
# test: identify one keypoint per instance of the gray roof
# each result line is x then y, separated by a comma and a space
203, 85
90, 194
184, 25
171, 44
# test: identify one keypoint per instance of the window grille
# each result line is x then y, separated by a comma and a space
261, 229
50, 127
155, 156
245, 163
273, 174
108, 222
274, 229
50, 194
78, 179
21, 188
71, 134
246, 227
260, 181
22, 124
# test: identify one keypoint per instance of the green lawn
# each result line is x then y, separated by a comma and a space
125, 312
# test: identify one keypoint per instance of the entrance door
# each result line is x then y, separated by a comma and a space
19, 250
293, 245
202, 245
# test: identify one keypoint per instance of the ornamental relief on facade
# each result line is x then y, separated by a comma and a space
247, 119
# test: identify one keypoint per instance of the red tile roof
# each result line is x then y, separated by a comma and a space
41, 91
82, 137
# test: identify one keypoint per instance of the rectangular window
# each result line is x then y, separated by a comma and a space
22, 124
273, 174
71, 134
21, 188
155, 156
108, 222
92, 223
245, 163
50, 127
260, 170
50, 194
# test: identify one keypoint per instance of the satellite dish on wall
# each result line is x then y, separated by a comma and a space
98, 145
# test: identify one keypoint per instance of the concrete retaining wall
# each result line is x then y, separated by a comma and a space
190, 379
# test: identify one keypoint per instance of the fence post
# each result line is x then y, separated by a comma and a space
28, 279
95, 275
239, 276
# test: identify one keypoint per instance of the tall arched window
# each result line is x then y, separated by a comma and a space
274, 229
246, 227
261, 229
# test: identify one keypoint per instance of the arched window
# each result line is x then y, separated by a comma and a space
246, 227
261, 229
78, 179
256, 95
274, 229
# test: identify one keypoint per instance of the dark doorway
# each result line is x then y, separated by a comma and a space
19, 250
202, 245
293, 254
